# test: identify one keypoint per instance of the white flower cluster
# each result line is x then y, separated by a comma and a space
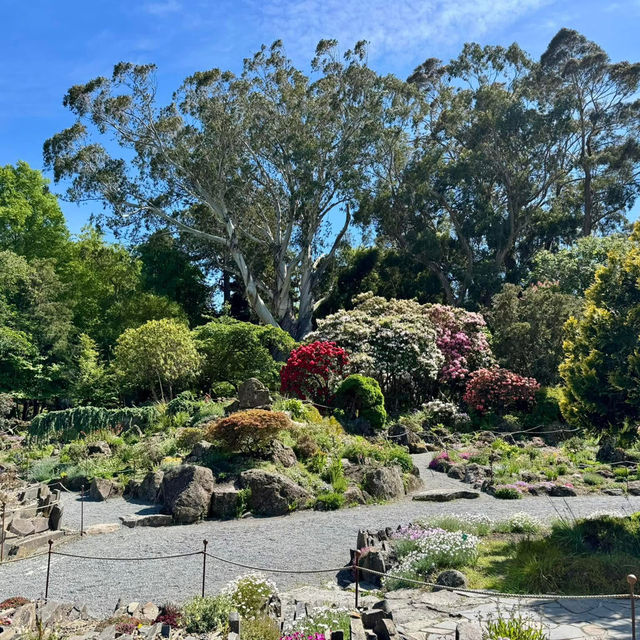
319, 620
522, 522
250, 594
441, 549
596, 515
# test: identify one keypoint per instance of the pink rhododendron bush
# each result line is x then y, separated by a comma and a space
500, 390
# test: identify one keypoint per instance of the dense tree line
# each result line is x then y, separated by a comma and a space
494, 182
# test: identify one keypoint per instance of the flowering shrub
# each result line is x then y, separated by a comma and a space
441, 462
250, 594
500, 390
392, 341
507, 492
462, 339
436, 549
446, 414
313, 370
522, 522
248, 431
318, 624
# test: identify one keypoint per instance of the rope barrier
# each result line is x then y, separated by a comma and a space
137, 559
265, 570
37, 508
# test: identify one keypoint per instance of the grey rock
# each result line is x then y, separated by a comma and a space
273, 494
199, 452
225, 502
150, 520
384, 483
24, 617
40, 524
560, 491
386, 629
22, 527
374, 560
151, 487
469, 631
252, 394
55, 517
445, 496
187, 492
634, 488
109, 633
354, 495
99, 448
280, 454
457, 471
356, 628
102, 489
400, 434
451, 578
149, 611
370, 617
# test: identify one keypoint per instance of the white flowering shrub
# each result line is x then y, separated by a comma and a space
434, 549
250, 594
320, 620
393, 341
445, 413
522, 522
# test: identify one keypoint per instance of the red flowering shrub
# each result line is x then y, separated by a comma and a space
500, 390
313, 371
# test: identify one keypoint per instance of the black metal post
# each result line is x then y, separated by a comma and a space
357, 565
46, 589
81, 510
2, 532
631, 579
204, 565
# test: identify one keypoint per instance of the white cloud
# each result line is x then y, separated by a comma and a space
394, 27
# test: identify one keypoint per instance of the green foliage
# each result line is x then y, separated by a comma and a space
67, 425
183, 403
202, 615
359, 449
527, 328
189, 438
233, 351
158, 356
223, 390
261, 628
601, 369
546, 409
361, 399
507, 493
93, 383
329, 501
515, 627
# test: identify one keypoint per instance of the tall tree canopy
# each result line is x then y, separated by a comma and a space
252, 164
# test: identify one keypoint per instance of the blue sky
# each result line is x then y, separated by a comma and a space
50, 45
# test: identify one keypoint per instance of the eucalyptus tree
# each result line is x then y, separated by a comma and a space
474, 197
602, 99
252, 165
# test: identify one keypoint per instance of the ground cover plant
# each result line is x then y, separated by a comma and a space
520, 554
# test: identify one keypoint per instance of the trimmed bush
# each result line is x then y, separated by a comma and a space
361, 398
67, 425
250, 431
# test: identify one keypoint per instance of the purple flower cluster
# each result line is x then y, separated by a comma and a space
443, 456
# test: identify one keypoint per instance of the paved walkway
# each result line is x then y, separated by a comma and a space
302, 540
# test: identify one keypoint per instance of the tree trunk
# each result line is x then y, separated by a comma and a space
587, 221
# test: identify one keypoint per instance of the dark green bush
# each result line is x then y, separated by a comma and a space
234, 351
67, 425
183, 402
330, 501
360, 398
223, 390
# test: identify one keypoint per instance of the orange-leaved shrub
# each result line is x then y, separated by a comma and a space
248, 431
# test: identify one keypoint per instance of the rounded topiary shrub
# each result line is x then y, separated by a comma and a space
250, 431
360, 398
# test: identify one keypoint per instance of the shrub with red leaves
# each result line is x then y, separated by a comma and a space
13, 603
500, 390
169, 614
313, 371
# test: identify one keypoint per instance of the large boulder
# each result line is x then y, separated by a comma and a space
384, 483
273, 494
252, 394
55, 517
281, 454
150, 488
451, 578
102, 489
226, 502
187, 492
99, 448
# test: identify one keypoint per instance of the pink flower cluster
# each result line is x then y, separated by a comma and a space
414, 532
436, 461
461, 339
498, 389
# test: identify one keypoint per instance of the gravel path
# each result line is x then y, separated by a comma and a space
302, 540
